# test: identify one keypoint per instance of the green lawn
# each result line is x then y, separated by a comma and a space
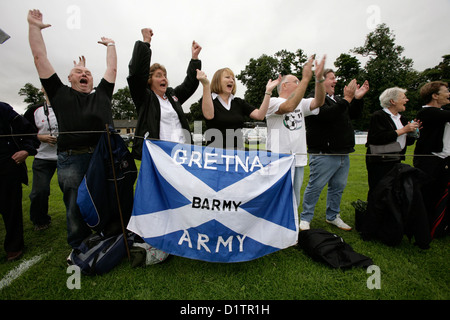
407, 272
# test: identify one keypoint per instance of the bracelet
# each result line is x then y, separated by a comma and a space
111, 44
269, 94
320, 81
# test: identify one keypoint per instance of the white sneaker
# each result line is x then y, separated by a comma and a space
304, 225
340, 224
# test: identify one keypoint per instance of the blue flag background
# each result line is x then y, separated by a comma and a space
215, 205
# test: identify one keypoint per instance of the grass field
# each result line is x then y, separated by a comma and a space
406, 272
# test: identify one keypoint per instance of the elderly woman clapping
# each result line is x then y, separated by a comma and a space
389, 135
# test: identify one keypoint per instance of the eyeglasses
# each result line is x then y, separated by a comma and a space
296, 82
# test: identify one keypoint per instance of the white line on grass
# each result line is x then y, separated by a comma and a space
17, 271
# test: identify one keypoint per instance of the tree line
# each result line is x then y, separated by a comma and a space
385, 67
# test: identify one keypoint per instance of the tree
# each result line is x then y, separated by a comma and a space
348, 68
385, 67
258, 71
32, 94
440, 72
196, 114
122, 105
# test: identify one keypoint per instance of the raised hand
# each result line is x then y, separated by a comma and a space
319, 68
147, 34
271, 84
307, 69
196, 48
361, 91
35, 18
106, 41
349, 90
81, 62
201, 76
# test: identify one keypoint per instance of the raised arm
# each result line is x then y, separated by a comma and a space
139, 67
37, 44
259, 114
207, 103
111, 60
190, 83
319, 97
196, 48
294, 99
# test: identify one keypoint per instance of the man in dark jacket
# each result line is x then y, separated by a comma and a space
330, 138
160, 114
15, 147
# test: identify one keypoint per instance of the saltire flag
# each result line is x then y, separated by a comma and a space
216, 205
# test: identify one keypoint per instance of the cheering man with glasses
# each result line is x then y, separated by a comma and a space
285, 117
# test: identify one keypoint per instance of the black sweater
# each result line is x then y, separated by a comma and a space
146, 101
331, 131
433, 125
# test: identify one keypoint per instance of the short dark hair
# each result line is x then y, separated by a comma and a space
327, 71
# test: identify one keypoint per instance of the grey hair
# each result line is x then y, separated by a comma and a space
283, 80
390, 94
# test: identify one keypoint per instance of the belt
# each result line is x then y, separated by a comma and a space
80, 150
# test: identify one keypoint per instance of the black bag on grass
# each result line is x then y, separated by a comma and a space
98, 254
331, 249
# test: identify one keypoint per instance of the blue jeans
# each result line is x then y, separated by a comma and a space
71, 170
298, 181
43, 171
325, 169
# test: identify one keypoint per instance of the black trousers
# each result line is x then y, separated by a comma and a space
11, 210
438, 170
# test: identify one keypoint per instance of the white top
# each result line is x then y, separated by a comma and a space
225, 104
286, 133
46, 126
398, 124
170, 128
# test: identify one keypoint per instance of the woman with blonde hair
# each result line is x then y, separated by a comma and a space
225, 112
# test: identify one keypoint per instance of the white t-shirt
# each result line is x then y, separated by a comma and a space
170, 128
286, 133
46, 126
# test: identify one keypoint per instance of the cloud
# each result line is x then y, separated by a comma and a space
231, 33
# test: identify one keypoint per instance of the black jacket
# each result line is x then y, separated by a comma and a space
146, 101
11, 123
395, 208
382, 131
331, 131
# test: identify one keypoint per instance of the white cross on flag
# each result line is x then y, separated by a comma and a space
216, 205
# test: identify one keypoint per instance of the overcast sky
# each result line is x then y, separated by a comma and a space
231, 33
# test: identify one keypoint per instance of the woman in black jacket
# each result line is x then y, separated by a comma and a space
389, 135
160, 114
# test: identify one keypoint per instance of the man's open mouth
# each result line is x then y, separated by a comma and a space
83, 81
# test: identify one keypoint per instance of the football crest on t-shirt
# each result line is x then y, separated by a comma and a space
293, 120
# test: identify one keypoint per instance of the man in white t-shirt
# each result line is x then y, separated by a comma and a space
45, 161
286, 131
